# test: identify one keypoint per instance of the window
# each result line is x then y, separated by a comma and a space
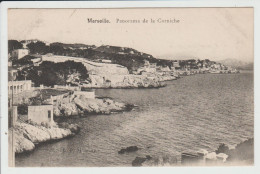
49, 114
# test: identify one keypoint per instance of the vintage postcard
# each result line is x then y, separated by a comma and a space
123, 87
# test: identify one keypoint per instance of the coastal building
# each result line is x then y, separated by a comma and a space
19, 53
148, 67
176, 64
41, 113
17, 87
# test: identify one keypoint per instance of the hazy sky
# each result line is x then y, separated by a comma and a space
214, 33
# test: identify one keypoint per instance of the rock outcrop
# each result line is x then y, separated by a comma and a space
28, 135
81, 105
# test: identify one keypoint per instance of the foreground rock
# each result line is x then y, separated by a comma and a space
81, 105
154, 161
242, 154
138, 161
27, 135
128, 150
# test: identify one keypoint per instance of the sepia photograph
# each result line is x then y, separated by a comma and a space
130, 87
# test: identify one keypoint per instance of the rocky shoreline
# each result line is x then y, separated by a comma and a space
74, 105
28, 135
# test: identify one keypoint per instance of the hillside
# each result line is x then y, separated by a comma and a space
128, 57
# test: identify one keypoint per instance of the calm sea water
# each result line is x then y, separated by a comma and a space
192, 113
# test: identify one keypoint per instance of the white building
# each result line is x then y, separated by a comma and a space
17, 87
175, 64
41, 114
19, 53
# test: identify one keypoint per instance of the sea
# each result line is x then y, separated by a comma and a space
189, 114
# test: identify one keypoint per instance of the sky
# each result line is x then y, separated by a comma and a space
203, 33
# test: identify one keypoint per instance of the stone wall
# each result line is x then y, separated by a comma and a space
92, 67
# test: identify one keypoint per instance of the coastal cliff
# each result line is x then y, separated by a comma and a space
27, 135
124, 81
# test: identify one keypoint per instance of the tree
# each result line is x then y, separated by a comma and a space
38, 47
14, 44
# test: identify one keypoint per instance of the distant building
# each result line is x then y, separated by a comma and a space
175, 64
41, 113
131, 52
19, 53
47, 43
148, 67
17, 87
146, 63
